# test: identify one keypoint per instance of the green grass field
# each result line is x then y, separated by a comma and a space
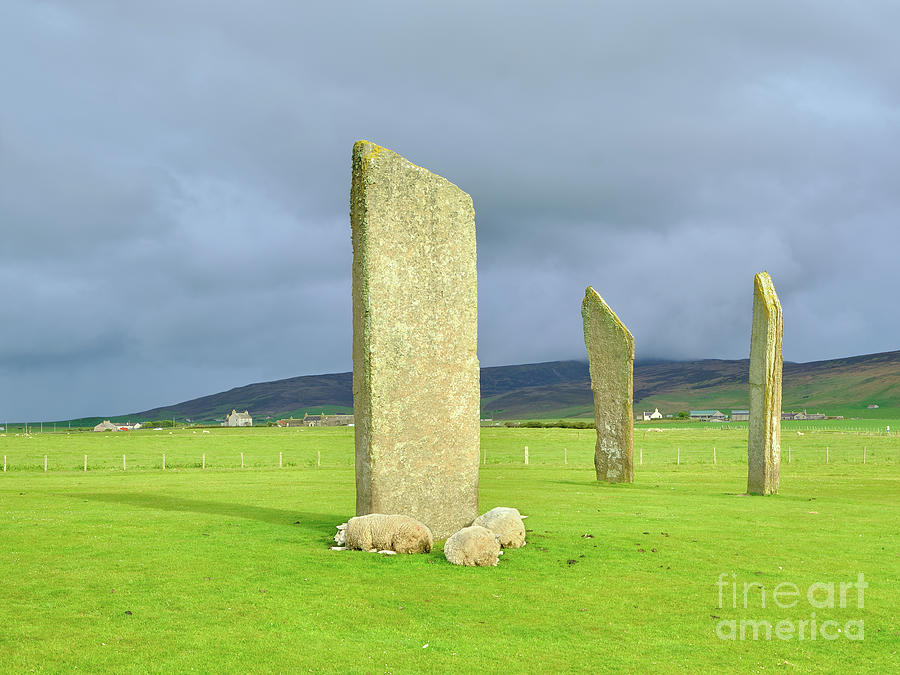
229, 570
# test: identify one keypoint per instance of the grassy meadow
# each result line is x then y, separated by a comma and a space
229, 570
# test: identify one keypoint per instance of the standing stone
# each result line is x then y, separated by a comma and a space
610, 349
416, 392
764, 447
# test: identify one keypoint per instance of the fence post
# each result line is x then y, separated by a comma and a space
641, 451
678, 456
4, 463
864, 458
124, 467
164, 461
826, 454
203, 461
526, 455
242, 460
45, 463
318, 458
789, 454
714, 455
280, 464
85, 462
565, 455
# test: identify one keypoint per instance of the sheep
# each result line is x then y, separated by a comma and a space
384, 533
506, 523
473, 546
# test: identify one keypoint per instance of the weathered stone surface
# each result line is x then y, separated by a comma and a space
415, 367
764, 446
610, 349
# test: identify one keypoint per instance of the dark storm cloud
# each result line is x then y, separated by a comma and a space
174, 180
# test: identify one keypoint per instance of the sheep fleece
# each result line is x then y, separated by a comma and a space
506, 523
474, 546
388, 532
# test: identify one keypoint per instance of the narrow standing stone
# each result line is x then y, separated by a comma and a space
415, 365
610, 349
764, 446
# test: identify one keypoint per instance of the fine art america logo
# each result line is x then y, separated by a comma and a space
831, 610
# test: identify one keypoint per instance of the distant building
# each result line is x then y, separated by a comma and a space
106, 425
655, 415
708, 416
740, 415
324, 420
802, 416
238, 419
313, 420
339, 421
873, 406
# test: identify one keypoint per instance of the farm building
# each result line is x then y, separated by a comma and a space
238, 419
740, 415
802, 416
291, 422
324, 420
106, 425
708, 415
655, 415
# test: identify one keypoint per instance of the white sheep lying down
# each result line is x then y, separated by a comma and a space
474, 546
380, 532
506, 523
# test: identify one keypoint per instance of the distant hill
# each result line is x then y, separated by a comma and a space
281, 398
561, 389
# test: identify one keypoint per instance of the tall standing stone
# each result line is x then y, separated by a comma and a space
764, 447
610, 349
416, 392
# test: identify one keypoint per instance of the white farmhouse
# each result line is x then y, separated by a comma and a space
238, 419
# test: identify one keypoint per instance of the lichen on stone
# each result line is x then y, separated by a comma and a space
610, 349
415, 365
766, 363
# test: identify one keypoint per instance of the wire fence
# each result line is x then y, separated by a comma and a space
712, 455
574, 457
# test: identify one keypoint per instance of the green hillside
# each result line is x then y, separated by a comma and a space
838, 387
281, 398
561, 389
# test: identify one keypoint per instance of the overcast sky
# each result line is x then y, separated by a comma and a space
174, 180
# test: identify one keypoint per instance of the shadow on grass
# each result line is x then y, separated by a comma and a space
318, 523
594, 483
